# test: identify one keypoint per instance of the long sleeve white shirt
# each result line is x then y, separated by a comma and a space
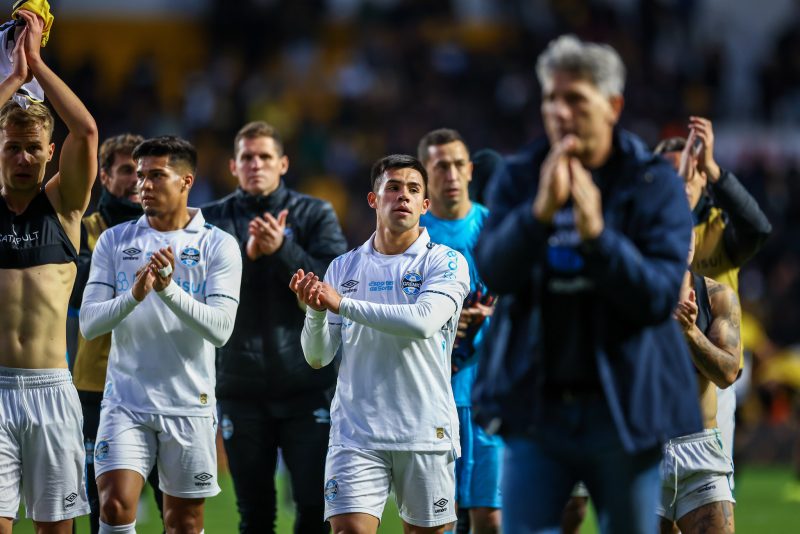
396, 326
162, 349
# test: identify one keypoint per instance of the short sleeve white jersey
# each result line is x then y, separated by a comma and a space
159, 363
393, 391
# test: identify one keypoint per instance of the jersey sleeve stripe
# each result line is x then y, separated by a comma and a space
441, 293
222, 296
112, 286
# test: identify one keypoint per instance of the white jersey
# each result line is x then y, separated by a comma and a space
396, 326
162, 349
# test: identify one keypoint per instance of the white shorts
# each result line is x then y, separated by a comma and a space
183, 446
695, 471
726, 417
41, 445
359, 480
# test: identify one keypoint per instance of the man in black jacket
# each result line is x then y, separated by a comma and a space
269, 398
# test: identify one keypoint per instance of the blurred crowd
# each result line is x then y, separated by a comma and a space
347, 81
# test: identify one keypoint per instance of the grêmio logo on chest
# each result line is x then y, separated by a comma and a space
189, 256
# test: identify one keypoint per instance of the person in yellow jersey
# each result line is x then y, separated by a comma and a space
119, 202
729, 227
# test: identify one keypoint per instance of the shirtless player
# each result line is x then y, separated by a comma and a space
41, 448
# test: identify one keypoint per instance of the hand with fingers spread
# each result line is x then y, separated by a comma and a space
162, 265
586, 201
266, 234
686, 312
554, 180
704, 131
143, 283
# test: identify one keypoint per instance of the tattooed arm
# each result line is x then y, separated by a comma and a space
717, 356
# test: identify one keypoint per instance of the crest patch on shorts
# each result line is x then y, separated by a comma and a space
101, 451
331, 489
227, 427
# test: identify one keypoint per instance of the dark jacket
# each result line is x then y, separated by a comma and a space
263, 358
636, 265
729, 229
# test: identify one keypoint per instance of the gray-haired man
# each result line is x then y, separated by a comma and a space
586, 244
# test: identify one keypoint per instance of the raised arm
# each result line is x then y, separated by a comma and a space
78, 163
748, 226
20, 74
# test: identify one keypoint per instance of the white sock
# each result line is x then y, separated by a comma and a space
117, 529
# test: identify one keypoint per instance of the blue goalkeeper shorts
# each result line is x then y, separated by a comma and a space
478, 470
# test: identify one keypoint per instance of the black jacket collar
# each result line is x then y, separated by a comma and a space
261, 203
115, 210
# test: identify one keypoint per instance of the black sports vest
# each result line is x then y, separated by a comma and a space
703, 321
35, 237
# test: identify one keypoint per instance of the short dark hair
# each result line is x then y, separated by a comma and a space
255, 129
179, 150
119, 144
440, 136
670, 144
397, 161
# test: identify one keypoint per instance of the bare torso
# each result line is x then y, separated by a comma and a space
33, 310
708, 401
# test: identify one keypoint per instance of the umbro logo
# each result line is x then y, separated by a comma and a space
707, 487
69, 500
440, 506
203, 479
349, 286
131, 253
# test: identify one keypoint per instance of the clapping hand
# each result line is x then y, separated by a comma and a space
266, 234
315, 293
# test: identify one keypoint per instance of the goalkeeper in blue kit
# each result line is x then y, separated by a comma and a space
454, 220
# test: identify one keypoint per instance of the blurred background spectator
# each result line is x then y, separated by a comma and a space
348, 81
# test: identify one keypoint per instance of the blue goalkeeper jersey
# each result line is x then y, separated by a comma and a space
462, 235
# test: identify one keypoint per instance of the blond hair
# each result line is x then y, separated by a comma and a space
36, 115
